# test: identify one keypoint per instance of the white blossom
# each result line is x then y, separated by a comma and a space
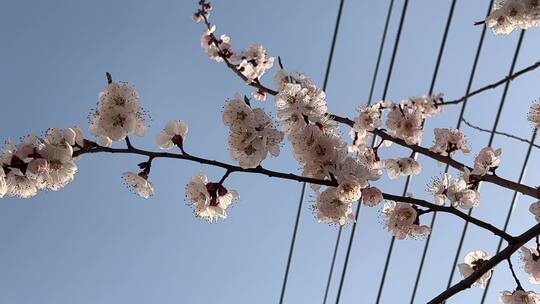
461, 196
330, 209
401, 220
209, 200
534, 208
139, 184
402, 167
448, 141
254, 62
534, 114
427, 105
175, 133
473, 261
531, 263
405, 123
298, 101
487, 159
439, 188
371, 196
520, 297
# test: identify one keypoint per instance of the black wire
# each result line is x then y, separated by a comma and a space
492, 136
408, 180
394, 51
295, 230
332, 265
293, 241
381, 48
514, 200
458, 125
386, 85
351, 237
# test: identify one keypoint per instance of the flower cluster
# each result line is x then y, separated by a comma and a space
252, 134
39, 163
210, 200
448, 141
507, 15
402, 220
405, 120
119, 114
402, 167
457, 191
299, 101
473, 261
487, 160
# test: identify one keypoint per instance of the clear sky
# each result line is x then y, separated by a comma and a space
95, 242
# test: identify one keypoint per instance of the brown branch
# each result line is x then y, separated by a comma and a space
454, 211
493, 85
229, 167
290, 176
488, 265
501, 133
260, 170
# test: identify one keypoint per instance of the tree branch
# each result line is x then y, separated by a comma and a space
260, 170
228, 167
488, 265
500, 133
493, 85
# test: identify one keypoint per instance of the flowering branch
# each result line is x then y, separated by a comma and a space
500, 133
491, 178
94, 148
488, 265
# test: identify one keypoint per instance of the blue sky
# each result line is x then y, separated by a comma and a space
95, 242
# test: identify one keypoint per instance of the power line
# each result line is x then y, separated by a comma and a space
375, 73
495, 124
458, 125
297, 220
408, 180
385, 91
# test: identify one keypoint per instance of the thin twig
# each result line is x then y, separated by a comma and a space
451, 210
500, 133
519, 287
493, 85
